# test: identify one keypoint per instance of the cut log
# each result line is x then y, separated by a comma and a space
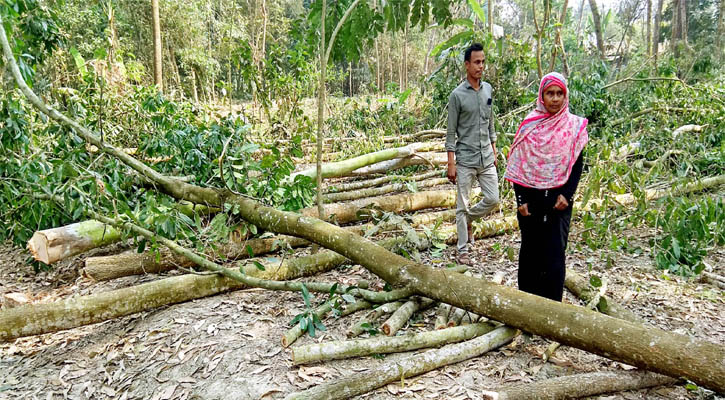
363, 382
363, 184
403, 314
52, 245
430, 158
377, 191
359, 326
582, 385
344, 168
442, 314
455, 317
365, 208
133, 263
383, 344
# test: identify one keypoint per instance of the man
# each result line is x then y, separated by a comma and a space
471, 147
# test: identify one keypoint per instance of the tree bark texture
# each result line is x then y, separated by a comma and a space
374, 378
650, 348
596, 17
383, 344
158, 60
582, 385
648, 28
358, 327
656, 32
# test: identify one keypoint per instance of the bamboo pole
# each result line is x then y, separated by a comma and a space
386, 344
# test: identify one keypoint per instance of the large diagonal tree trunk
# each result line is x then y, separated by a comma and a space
650, 348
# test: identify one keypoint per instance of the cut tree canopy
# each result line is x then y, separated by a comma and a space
650, 348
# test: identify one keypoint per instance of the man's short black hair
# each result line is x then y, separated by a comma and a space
471, 49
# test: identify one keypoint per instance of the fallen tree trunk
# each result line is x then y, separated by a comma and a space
363, 382
344, 168
401, 203
377, 191
133, 263
646, 347
390, 165
363, 184
359, 326
582, 385
52, 245
383, 344
36, 319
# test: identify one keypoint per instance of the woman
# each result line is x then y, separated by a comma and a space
544, 165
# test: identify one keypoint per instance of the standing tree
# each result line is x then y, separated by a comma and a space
157, 44
656, 33
490, 16
679, 25
648, 28
597, 19
720, 30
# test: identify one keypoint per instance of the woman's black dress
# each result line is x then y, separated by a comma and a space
544, 235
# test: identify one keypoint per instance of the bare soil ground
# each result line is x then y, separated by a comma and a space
228, 346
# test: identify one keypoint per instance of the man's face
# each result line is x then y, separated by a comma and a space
474, 67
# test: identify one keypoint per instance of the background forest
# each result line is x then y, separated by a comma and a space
246, 96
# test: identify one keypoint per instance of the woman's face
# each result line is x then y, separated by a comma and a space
553, 99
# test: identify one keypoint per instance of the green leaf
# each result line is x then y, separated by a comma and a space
333, 289
676, 248
306, 295
303, 323
595, 281
456, 39
477, 10
602, 305
296, 319
141, 246
310, 327
250, 252
259, 266
348, 298
463, 22
79, 61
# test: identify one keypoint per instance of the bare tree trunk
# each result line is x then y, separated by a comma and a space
539, 35
194, 90
157, 44
490, 16
321, 113
558, 40
720, 30
656, 33
597, 27
579, 24
648, 28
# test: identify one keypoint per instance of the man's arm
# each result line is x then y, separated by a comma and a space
492, 136
451, 134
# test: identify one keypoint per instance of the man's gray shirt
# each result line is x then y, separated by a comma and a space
470, 125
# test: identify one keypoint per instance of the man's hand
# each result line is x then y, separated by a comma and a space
561, 203
524, 209
452, 172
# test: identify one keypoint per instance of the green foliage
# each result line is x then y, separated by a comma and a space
689, 229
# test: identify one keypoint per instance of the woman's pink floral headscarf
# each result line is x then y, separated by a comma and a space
546, 145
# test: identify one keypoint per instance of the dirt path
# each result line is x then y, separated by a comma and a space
228, 346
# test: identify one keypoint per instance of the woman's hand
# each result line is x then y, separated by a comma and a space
561, 203
524, 209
